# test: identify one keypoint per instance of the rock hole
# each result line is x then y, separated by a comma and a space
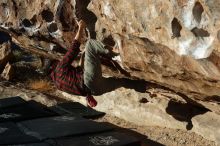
34, 19
4, 5
218, 35
5, 37
52, 27
143, 100
109, 41
103, 30
27, 23
198, 32
10, 23
47, 15
197, 11
176, 28
22, 30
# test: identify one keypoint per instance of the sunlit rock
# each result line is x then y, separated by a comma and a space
174, 43
5, 55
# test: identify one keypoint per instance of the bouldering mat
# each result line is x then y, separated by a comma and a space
11, 101
61, 126
26, 111
10, 134
76, 109
103, 139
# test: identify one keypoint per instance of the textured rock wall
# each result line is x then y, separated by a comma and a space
171, 42
5, 55
175, 42
188, 27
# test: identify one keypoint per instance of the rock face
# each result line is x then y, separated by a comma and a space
186, 27
155, 110
174, 43
8, 72
170, 42
5, 55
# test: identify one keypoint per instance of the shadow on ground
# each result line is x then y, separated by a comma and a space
184, 112
145, 141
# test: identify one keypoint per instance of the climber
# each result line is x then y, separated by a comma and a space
85, 81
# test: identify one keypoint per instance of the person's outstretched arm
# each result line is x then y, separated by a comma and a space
72, 53
79, 33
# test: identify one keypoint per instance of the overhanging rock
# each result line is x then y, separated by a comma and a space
174, 43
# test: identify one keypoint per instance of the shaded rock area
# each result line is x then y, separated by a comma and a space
172, 43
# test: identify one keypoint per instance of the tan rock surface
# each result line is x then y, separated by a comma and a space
8, 72
174, 43
207, 124
5, 55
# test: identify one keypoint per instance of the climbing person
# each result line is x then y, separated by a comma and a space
85, 81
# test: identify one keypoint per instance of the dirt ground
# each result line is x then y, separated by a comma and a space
157, 136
